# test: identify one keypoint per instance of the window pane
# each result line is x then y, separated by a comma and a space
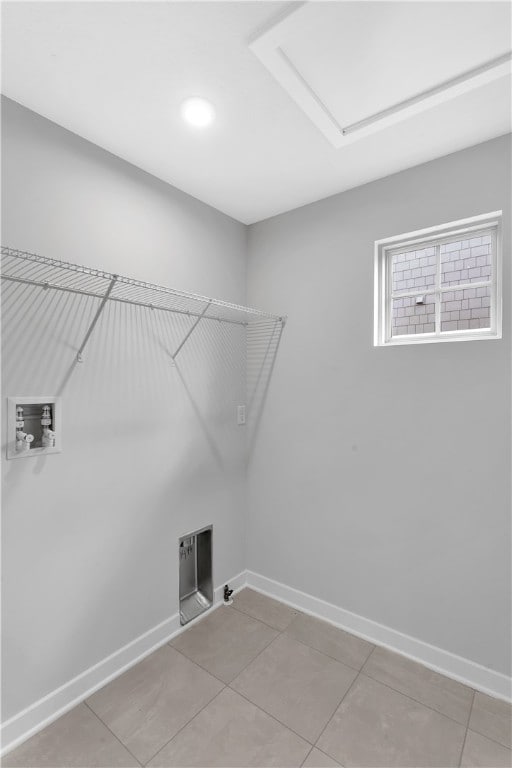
466, 309
408, 317
414, 270
467, 260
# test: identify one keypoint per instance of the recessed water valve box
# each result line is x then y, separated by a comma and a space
196, 583
34, 426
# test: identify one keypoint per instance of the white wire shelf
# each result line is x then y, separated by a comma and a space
32, 269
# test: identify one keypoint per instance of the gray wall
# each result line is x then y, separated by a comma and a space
150, 451
380, 479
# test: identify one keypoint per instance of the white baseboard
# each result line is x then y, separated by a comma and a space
44, 711
458, 668
55, 704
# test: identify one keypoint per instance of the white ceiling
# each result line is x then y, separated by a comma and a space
117, 72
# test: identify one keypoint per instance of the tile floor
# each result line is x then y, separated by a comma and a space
259, 684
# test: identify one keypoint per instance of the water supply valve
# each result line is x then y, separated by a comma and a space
23, 439
228, 600
48, 435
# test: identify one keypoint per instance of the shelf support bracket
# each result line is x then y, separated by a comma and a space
191, 331
79, 356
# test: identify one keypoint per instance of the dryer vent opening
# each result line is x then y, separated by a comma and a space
196, 584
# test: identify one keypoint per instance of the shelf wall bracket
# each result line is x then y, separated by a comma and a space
79, 356
190, 332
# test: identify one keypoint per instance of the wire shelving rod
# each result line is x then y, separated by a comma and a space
32, 269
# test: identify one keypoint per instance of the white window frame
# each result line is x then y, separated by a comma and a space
487, 223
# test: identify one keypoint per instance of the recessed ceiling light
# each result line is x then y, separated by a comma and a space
197, 112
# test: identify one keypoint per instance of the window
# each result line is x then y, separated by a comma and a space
439, 284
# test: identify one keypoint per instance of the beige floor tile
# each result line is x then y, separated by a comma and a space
296, 684
480, 751
317, 759
271, 612
324, 637
148, 704
492, 718
430, 688
224, 642
232, 732
376, 726
76, 740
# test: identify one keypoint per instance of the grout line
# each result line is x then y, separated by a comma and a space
362, 669
199, 665
417, 701
485, 735
301, 613
285, 632
471, 709
474, 730
488, 738
184, 726
359, 671
458, 677
369, 656
269, 714
250, 616
325, 753
339, 705
278, 634
344, 663
242, 669
355, 669
256, 657
228, 685
308, 754
467, 728
112, 732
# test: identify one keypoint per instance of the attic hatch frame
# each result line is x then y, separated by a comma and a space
31, 269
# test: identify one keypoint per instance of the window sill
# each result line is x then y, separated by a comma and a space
448, 336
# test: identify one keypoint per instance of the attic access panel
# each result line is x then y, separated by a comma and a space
356, 68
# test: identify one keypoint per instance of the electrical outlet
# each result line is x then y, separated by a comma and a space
240, 415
